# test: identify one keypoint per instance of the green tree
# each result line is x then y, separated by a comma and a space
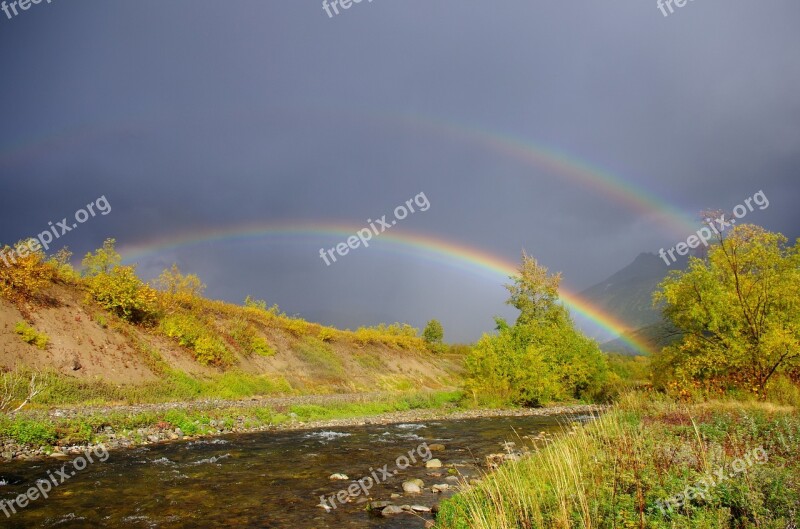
738, 312
542, 357
433, 334
103, 260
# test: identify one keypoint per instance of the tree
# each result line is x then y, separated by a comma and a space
542, 357
534, 293
103, 260
738, 312
433, 334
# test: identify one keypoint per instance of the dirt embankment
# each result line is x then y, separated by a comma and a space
87, 344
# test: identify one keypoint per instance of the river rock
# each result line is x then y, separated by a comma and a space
436, 447
420, 508
433, 463
378, 505
391, 509
338, 477
413, 486
440, 488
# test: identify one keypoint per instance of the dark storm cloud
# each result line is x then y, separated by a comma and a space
197, 115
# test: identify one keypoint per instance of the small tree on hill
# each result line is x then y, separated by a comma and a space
433, 334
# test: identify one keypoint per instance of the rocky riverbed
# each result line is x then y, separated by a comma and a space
304, 476
239, 421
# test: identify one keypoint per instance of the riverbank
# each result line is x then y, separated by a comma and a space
64, 432
650, 462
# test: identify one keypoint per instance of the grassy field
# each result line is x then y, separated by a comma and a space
724, 464
35, 427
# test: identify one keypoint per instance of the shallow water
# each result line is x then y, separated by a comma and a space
262, 480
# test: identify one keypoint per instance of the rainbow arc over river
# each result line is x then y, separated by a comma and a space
419, 246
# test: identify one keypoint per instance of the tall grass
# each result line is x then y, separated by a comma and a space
612, 473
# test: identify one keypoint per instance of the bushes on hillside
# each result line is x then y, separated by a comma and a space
399, 335
191, 332
31, 336
178, 289
247, 337
117, 288
24, 273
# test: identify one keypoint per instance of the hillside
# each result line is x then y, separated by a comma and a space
627, 294
91, 351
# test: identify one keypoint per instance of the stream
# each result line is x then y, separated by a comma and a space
263, 480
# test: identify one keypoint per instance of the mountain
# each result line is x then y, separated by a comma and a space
627, 295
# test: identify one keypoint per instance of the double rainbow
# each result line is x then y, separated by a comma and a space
460, 256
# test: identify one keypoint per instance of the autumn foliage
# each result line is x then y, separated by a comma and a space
24, 277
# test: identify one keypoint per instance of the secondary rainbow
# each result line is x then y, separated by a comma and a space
419, 246
525, 150
556, 161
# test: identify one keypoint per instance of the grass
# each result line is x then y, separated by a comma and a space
36, 428
368, 408
613, 472
174, 386
320, 356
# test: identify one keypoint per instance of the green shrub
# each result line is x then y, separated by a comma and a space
193, 333
247, 337
783, 391
31, 335
32, 431
209, 350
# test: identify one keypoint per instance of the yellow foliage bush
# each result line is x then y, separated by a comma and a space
326, 334
23, 275
296, 327
122, 292
193, 333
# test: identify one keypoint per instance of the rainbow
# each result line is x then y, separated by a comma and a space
434, 249
555, 161
531, 153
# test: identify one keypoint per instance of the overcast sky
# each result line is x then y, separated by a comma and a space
191, 116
